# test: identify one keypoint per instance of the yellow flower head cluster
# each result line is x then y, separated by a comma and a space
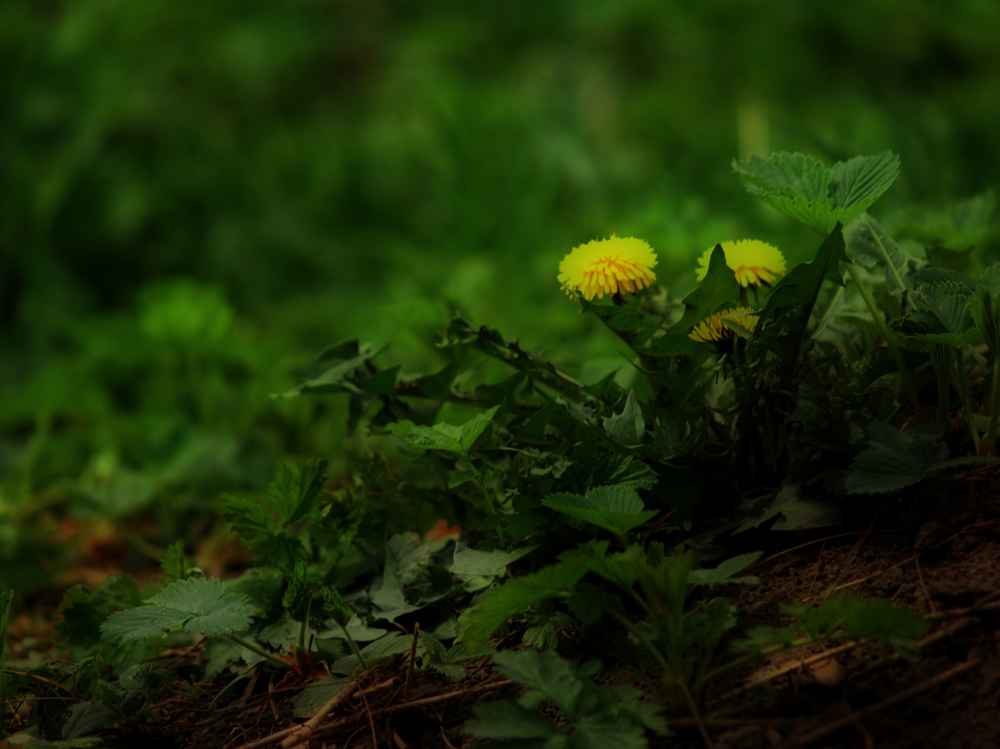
729, 323
754, 262
605, 267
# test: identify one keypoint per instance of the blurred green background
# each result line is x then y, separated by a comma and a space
197, 197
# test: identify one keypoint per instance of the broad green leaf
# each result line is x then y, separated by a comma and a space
617, 509
196, 605
805, 189
725, 572
628, 427
718, 290
892, 460
446, 437
478, 622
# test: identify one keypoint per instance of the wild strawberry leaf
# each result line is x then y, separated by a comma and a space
807, 190
617, 509
196, 605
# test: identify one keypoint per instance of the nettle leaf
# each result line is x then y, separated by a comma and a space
268, 524
617, 509
446, 437
725, 573
893, 460
717, 290
478, 622
805, 189
628, 427
196, 605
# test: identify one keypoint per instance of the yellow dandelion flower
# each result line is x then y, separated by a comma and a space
754, 262
604, 267
729, 323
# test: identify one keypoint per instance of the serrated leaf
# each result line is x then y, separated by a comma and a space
508, 720
446, 437
496, 606
555, 678
628, 427
617, 509
196, 605
893, 460
270, 524
805, 189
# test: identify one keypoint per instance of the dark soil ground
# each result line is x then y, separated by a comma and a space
944, 562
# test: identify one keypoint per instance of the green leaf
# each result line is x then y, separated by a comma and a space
805, 189
724, 573
553, 677
196, 605
496, 606
86, 718
627, 427
783, 323
84, 610
445, 437
858, 618
478, 569
617, 509
269, 524
893, 460
718, 290
870, 245
334, 370
175, 564
508, 720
